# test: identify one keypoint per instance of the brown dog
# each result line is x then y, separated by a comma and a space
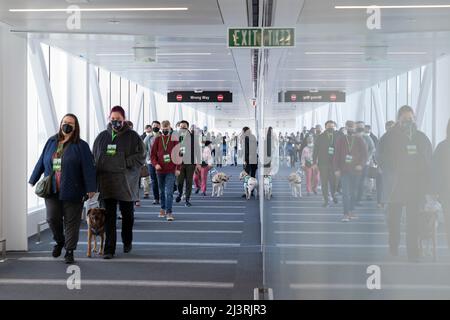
96, 227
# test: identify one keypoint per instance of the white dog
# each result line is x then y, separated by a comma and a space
218, 184
268, 187
250, 184
295, 182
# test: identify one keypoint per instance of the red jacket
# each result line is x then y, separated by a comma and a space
158, 152
358, 152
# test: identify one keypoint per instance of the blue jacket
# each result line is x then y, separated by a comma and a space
78, 169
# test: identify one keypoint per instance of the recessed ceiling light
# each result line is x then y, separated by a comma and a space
425, 6
97, 9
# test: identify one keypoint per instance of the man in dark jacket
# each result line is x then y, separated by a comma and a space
349, 160
324, 149
409, 152
119, 155
190, 152
441, 178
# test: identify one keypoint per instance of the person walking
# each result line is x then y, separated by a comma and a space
409, 152
324, 150
307, 164
70, 162
349, 160
190, 154
119, 154
201, 175
148, 142
165, 158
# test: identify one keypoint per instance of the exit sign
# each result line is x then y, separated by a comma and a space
261, 37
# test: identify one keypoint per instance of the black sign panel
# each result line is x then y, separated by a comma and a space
196, 97
307, 96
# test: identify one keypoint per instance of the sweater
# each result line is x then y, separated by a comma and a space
354, 147
158, 154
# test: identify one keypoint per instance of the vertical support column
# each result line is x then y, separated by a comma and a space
97, 99
136, 110
13, 137
44, 91
361, 106
434, 104
379, 116
153, 111
330, 111
88, 102
423, 95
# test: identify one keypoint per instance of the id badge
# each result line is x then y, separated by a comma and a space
348, 158
57, 164
412, 149
182, 151
166, 158
111, 150
331, 151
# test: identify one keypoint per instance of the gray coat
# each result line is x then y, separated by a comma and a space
118, 175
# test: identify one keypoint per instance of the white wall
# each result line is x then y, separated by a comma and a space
13, 137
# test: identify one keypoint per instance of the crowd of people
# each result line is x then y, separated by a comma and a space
399, 169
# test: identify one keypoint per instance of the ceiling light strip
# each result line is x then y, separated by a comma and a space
428, 6
97, 9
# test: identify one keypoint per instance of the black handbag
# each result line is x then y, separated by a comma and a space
44, 187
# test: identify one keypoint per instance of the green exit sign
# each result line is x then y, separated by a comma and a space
244, 37
261, 37
279, 37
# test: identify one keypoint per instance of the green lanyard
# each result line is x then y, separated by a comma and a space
350, 146
332, 139
114, 135
165, 143
59, 150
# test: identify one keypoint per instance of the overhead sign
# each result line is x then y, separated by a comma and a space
195, 97
279, 37
261, 37
244, 37
308, 96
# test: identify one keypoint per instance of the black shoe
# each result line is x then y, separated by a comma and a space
204, 193
69, 257
127, 248
188, 204
119, 217
244, 196
178, 199
197, 191
57, 251
108, 256
156, 202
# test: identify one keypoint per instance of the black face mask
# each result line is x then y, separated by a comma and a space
408, 125
155, 129
165, 132
350, 131
67, 128
116, 124
330, 130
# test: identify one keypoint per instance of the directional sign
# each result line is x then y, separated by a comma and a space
195, 97
261, 37
244, 37
308, 96
279, 37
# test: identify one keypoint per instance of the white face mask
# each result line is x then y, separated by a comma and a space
310, 145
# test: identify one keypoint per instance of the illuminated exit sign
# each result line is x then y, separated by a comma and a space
261, 37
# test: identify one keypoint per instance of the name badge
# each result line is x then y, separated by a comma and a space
348, 158
412, 149
57, 164
111, 150
182, 151
166, 158
331, 150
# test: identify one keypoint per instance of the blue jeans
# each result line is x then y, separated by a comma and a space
349, 191
154, 181
166, 181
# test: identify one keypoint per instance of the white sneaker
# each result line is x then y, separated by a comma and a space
170, 217
345, 219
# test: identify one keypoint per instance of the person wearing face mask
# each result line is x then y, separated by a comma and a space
363, 184
190, 153
148, 142
147, 132
146, 180
385, 169
201, 176
408, 152
119, 154
166, 160
348, 162
307, 163
324, 150
70, 161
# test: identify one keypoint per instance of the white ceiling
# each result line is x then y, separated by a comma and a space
202, 29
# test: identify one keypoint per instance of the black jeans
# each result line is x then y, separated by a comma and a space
412, 225
127, 211
186, 174
64, 219
328, 178
154, 181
